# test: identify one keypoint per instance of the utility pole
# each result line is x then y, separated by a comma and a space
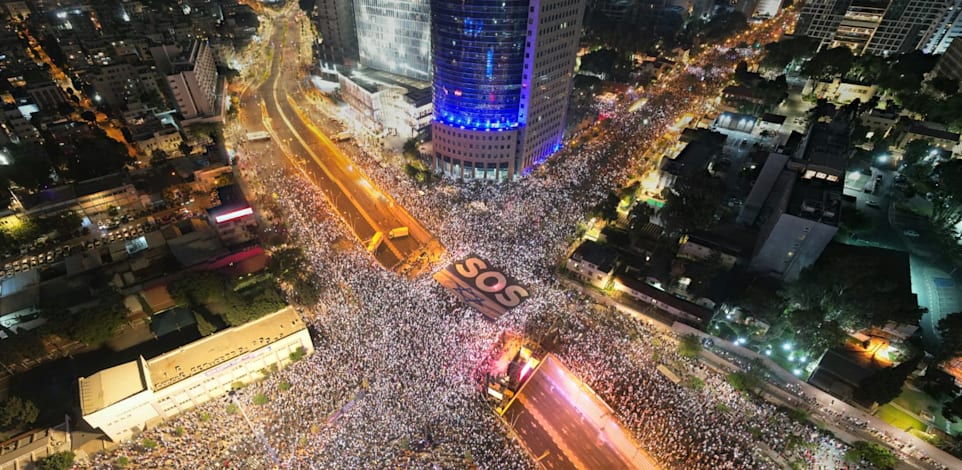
257, 432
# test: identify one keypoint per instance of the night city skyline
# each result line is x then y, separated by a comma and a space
505, 234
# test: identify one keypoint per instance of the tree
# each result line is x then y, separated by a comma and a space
607, 209
204, 326
943, 84
854, 287
915, 151
885, 384
29, 167
58, 461
952, 409
778, 55
950, 329
689, 345
94, 156
411, 149
96, 325
876, 455
16, 412
743, 381
829, 63
693, 203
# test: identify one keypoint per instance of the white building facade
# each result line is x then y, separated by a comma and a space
124, 400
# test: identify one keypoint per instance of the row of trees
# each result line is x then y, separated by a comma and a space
213, 292
848, 289
291, 268
937, 99
35, 166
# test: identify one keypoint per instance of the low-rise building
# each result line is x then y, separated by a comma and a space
682, 309
934, 134
593, 263
843, 92
701, 245
388, 103
233, 217
126, 399
166, 139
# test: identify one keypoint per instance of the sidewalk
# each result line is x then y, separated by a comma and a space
819, 403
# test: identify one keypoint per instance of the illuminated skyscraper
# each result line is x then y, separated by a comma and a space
503, 73
395, 36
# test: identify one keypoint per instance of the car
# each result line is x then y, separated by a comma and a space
50, 257
911, 233
873, 204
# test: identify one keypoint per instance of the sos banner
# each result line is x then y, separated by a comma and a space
482, 286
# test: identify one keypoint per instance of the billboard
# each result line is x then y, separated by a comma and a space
482, 286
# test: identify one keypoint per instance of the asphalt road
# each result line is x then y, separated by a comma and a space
563, 427
366, 209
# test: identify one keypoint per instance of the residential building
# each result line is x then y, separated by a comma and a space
337, 31
395, 36
702, 245
881, 27
684, 310
25, 450
46, 95
126, 399
503, 73
950, 64
194, 82
166, 139
593, 263
115, 84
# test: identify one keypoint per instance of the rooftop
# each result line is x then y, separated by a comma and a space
597, 254
692, 159
212, 351
110, 386
919, 128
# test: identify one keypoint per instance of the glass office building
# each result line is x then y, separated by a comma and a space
395, 36
503, 72
478, 60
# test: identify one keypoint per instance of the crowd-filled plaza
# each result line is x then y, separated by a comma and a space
397, 377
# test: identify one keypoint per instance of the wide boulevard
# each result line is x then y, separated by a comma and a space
278, 106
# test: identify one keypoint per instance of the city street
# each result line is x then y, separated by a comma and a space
367, 210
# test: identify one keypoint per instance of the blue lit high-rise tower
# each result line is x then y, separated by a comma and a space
503, 73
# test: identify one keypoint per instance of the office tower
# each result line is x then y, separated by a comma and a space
945, 30
193, 82
338, 35
503, 73
395, 36
950, 64
881, 27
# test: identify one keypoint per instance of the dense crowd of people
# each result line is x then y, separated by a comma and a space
396, 378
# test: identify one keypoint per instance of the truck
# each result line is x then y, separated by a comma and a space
375, 242
397, 233
342, 136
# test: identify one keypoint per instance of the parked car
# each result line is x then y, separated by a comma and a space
911, 233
